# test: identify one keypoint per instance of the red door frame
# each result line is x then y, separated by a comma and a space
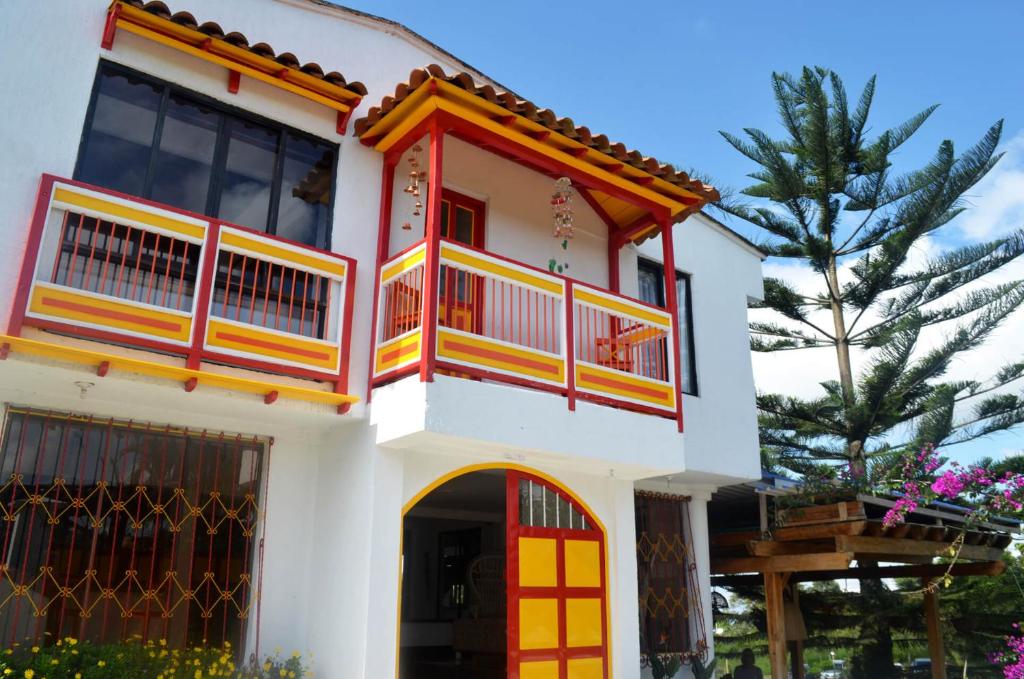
454, 199
513, 531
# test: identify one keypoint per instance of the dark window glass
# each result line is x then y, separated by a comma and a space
652, 290
96, 499
464, 225
184, 162
306, 182
153, 140
119, 140
248, 175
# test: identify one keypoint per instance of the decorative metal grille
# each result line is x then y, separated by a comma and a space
114, 528
671, 617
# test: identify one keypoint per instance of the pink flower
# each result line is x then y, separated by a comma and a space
949, 485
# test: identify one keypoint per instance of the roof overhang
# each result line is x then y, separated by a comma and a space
208, 42
632, 200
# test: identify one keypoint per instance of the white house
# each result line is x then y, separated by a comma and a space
293, 359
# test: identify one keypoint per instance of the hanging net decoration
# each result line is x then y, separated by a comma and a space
561, 208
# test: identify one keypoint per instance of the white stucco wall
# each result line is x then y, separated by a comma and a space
333, 508
721, 421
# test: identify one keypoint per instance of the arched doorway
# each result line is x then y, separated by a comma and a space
503, 574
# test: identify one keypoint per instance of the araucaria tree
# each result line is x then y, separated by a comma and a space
829, 196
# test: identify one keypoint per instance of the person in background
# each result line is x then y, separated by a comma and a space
747, 668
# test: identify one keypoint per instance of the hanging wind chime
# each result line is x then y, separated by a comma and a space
416, 176
562, 215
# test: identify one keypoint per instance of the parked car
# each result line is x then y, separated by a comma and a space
837, 671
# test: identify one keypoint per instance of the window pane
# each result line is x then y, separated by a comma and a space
687, 367
104, 498
464, 225
185, 158
249, 175
306, 184
650, 286
118, 142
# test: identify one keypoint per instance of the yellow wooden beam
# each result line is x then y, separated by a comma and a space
166, 32
89, 357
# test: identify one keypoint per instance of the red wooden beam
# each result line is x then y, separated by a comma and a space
507, 121
110, 27
234, 80
638, 225
433, 252
542, 135
102, 369
669, 262
387, 182
578, 152
601, 212
614, 168
190, 384
271, 397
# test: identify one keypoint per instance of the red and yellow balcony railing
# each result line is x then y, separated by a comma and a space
505, 321
110, 267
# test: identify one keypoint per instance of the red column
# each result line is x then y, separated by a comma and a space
387, 183
669, 259
432, 268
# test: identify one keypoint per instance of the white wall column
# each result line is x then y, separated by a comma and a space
622, 579
701, 544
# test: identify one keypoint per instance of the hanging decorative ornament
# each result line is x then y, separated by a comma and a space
416, 175
561, 208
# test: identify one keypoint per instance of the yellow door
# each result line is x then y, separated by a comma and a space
557, 623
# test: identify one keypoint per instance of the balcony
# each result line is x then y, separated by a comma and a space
498, 320
104, 266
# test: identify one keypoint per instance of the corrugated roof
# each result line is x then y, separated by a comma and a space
542, 116
262, 49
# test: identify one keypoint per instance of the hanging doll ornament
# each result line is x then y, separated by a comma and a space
416, 176
561, 208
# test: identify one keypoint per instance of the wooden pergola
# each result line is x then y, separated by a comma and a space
849, 540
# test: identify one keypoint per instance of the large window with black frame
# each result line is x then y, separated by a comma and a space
152, 139
652, 291
113, 529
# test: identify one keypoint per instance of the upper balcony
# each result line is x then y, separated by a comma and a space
465, 304
124, 271
500, 320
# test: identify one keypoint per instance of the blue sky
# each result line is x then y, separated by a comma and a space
665, 77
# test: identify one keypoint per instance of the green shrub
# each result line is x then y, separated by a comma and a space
69, 658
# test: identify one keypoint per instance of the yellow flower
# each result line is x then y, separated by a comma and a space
35, 649
291, 675
163, 642
72, 641
266, 667
283, 672
8, 671
29, 674
78, 675
101, 663
198, 674
296, 654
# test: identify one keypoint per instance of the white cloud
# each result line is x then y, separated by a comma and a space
998, 199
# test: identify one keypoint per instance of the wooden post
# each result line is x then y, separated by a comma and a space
669, 257
432, 264
931, 616
774, 583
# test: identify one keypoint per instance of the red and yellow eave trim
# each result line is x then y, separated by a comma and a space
122, 15
437, 96
104, 362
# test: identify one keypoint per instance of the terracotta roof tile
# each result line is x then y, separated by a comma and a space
545, 117
214, 31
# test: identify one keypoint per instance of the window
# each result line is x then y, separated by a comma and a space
652, 291
151, 139
87, 500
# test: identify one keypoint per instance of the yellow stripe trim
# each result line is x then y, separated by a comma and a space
410, 261
342, 103
172, 372
262, 247
584, 374
131, 214
623, 307
444, 350
54, 301
401, 357
462, 257
217, 328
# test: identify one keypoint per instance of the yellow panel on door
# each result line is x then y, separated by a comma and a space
583, 622
542, 669
538, 623
586, 668
582, 563
538, 565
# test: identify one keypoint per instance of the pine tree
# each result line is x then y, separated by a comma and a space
829, 196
